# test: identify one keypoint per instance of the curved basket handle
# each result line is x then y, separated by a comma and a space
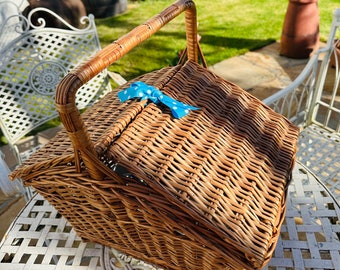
67, 88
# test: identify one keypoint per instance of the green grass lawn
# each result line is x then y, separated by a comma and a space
227, 27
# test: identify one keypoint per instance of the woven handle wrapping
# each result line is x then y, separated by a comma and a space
67, 88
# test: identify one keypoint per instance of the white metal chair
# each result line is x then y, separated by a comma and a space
310, 235
312, 101
33, 58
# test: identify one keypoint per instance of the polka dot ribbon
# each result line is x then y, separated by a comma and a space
144, 91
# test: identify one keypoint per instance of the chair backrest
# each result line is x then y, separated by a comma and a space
33, 59
314, 96
325, 103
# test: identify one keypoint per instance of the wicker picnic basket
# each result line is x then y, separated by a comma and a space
205, 191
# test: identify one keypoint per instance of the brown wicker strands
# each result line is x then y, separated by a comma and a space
206, 191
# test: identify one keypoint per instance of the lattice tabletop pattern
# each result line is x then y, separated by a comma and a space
319, 150
41, 236
41, 239
310, 233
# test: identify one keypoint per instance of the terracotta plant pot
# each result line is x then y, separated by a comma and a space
300, 34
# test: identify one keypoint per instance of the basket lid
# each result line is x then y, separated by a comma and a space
226, 165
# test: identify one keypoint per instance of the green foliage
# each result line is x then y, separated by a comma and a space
326, 9
227, 28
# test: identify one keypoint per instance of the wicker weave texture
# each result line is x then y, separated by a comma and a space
227, 163
206, 191
212, 183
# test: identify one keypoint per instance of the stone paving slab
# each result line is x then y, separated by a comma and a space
262, 72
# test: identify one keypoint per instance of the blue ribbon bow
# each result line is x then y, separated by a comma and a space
144, 91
